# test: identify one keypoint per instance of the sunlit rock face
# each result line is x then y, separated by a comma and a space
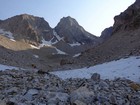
28, 28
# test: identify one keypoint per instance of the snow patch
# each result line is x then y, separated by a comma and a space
57, 36
76, 55
36, 56
128, 68
8, 34
5, 67
34, 47
45, 43
75, 44
59, 51
13, 40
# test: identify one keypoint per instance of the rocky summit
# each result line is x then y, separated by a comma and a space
72, 32
36, 88
28, 28
75, 38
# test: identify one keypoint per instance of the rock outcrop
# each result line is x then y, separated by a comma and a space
106, 33
129, 19
123, 42
73, 36
27, 87
0, 21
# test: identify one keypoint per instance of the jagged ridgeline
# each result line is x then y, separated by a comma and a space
33, 38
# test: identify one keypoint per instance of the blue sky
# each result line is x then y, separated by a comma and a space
93, 15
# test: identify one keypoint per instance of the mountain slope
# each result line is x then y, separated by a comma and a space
32, 37
74, 38
123, 42
36, 32
0, 21
106, 33
28, 28
72, 32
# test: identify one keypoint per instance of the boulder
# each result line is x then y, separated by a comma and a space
95, 77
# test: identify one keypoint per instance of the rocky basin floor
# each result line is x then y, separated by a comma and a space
36, 88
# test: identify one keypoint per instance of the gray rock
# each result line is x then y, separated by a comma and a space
77, 102
55, 97
33, 88
95, 77
82, 94
112, 99
29, 95
12, 90
2, 102
32, 91
103, 84
10, 103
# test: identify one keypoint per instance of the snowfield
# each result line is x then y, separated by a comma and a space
8, 34
76, 55
128, 68
5, 67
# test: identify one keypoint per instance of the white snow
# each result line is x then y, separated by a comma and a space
128, 68
34, 47
59, 51
8, 34
13, 40
50, 43
36, 56
57, 36
75, 44
76, 55
45, 43
5, 67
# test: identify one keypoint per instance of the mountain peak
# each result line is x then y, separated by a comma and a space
29, 28
26, 16
68, 17
72, 32
69, 21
